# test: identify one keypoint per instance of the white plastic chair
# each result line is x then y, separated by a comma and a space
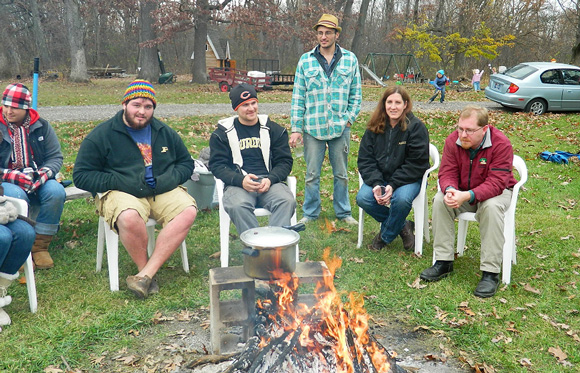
105, 234
509, 230
420, 208
22, 208
225, 220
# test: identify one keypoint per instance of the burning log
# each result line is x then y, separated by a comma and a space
326, 337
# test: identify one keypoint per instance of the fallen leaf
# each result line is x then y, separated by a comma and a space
528, 287
215, 255
525, 362
52, 369
567, 237
416, 284
557, 353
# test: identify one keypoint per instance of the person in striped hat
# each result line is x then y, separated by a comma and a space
30, 158
136, 164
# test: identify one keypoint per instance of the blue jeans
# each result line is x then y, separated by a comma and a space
476, 86
16, 241
442, 90
314, 150
392, 219
49, 198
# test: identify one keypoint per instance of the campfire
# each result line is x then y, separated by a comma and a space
326, 336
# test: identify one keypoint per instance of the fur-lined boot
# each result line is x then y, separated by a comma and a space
40, 254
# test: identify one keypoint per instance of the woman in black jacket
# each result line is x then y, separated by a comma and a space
393, 156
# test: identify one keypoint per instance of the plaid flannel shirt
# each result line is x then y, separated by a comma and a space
322, 105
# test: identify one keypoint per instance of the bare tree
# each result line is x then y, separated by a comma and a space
39, 38
148, 63
74, 25
357, 40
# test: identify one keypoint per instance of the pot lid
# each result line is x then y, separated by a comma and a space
269, 237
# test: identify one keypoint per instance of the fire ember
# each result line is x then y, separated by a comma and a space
328, 336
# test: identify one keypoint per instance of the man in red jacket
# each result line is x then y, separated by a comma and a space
475, 176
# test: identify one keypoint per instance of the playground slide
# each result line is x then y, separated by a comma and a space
373, 75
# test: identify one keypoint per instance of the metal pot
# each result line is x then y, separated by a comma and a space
270, 248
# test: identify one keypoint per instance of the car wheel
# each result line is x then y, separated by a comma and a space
537, 106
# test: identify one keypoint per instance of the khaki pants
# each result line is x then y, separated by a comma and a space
489, 214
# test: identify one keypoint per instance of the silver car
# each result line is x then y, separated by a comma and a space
537, 87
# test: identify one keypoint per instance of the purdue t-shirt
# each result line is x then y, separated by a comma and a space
249, 142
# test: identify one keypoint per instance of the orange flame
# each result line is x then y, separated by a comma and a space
328, 322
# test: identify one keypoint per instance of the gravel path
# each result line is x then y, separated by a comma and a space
103, 112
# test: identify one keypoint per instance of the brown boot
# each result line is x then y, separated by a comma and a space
40, 254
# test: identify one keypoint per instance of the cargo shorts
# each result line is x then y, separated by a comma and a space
161, 207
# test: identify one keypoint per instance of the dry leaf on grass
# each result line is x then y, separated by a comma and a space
158, 318
528, 287
525, 362
53, 369
215, 255
558, 353
416, 284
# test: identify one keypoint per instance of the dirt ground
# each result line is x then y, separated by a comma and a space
176, 341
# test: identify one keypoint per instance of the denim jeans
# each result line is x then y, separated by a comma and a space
476, 86
392, 219
49, 197
314, 150
16, 239
437, 92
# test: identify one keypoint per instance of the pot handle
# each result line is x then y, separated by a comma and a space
250, 252
296, 228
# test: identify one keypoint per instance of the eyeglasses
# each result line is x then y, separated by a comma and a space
468, 131
326, 33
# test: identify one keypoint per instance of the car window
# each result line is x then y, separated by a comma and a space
571, 77
550, 77
520, 71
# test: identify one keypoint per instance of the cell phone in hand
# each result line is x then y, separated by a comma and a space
257, 180
383, 190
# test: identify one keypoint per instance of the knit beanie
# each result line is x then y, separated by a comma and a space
241, 94
140, 89
442, 72
17, 96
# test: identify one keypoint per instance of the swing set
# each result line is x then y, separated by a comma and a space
401, 67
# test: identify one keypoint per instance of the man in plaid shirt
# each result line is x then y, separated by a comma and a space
325, 103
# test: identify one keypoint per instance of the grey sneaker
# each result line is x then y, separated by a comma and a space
350, 220
154, 287
304, 220
139, 285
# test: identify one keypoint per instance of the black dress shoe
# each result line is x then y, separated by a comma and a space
487, 285
439, 270
378, 243
407, 235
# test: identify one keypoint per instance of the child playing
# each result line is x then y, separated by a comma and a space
439, 83
475, 81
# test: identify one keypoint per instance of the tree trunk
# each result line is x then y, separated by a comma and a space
75, 29
347, 29
38, 33
148, 63
575, 59
357, 46
199, 68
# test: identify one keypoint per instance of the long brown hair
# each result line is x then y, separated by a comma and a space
379, 118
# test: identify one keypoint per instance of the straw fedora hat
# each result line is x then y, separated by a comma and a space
330, 21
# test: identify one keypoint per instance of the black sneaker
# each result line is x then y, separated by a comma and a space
488, 285
408, 236
439, 270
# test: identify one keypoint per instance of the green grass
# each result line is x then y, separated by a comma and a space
79, 318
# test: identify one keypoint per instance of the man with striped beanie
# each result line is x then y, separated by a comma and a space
136, 164
30, 157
